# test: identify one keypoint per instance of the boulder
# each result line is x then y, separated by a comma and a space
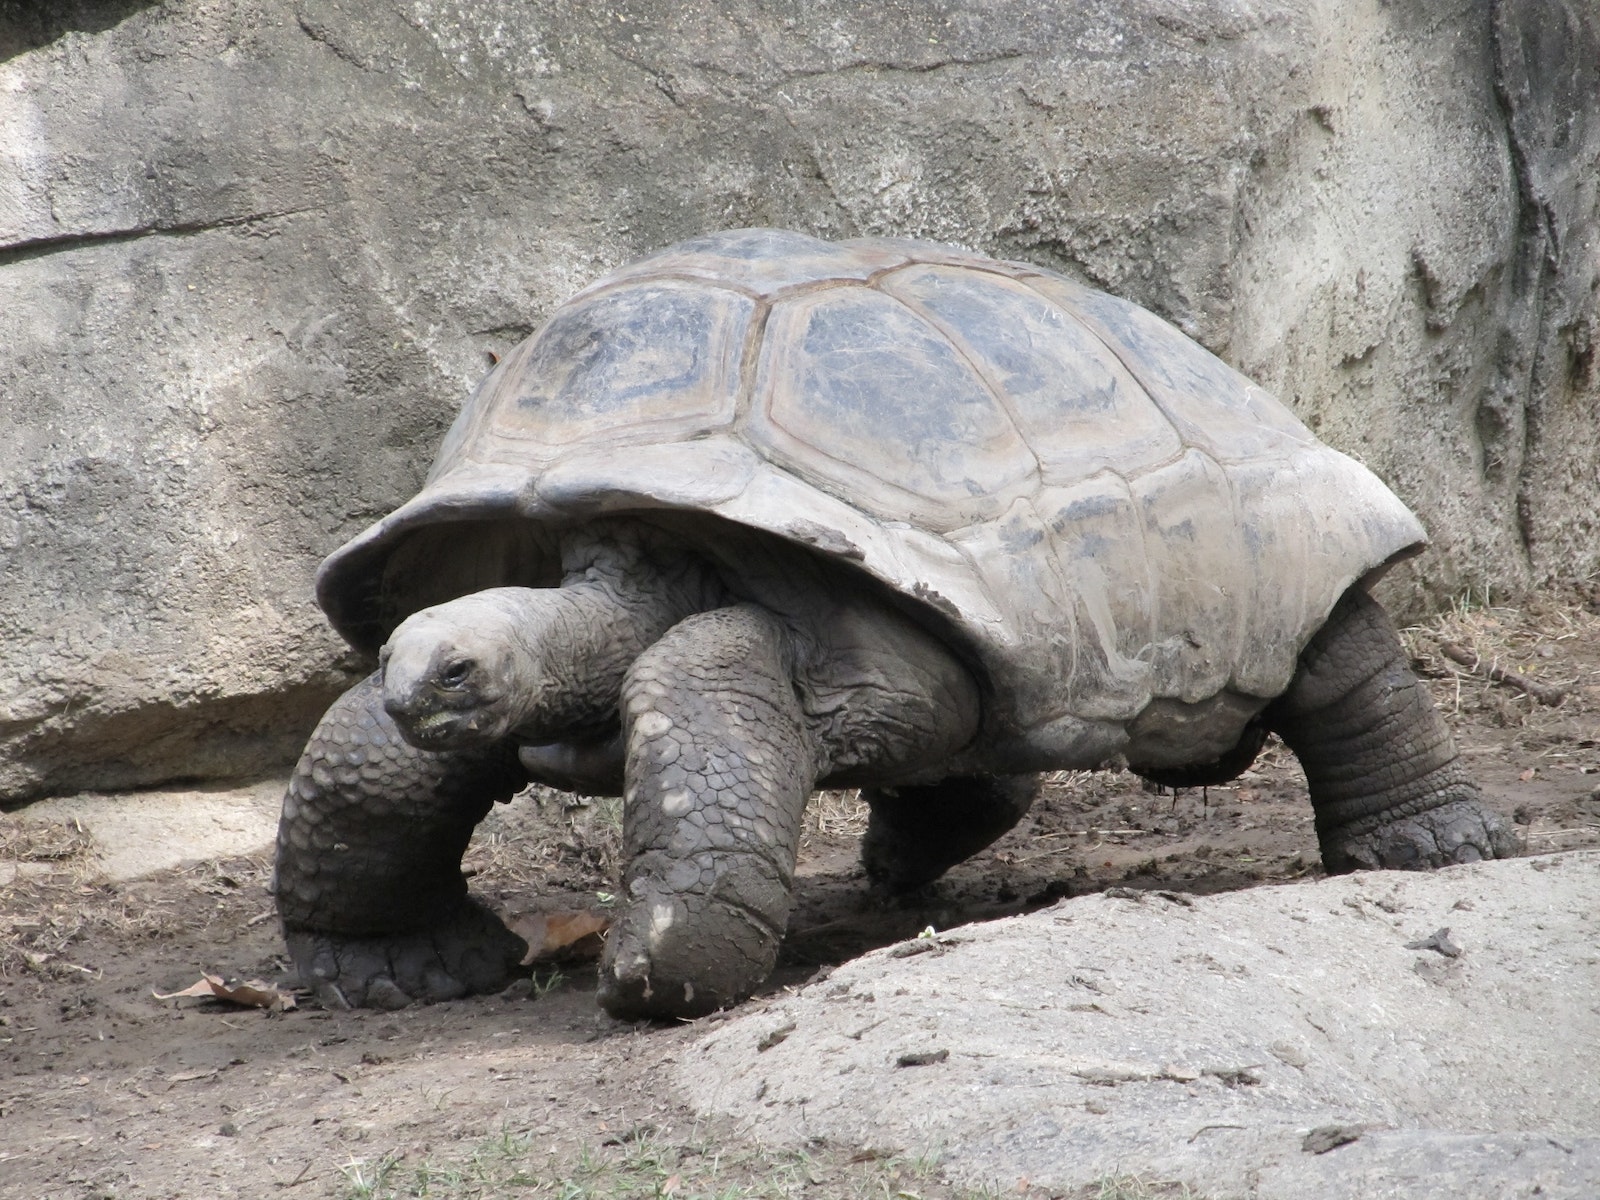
1433, 1036
253, 255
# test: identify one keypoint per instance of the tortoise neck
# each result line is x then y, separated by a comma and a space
623, 587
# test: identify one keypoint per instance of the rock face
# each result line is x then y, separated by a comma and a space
1378, 1034
252, 256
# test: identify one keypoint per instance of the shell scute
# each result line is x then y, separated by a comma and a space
1097, 536
858, 392
1211, 406
1079, 408
1191, 540
661, 358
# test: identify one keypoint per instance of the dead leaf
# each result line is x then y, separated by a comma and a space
252, 993
1330, 1137
562, 936
206, 987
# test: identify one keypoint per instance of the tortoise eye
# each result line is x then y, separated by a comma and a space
456, 673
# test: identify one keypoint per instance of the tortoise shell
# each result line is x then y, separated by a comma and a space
1131, 540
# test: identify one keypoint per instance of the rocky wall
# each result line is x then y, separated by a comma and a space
253, 254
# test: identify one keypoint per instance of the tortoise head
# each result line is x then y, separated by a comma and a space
452, 675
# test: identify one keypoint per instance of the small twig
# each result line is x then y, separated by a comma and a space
1541, 692
1205, 1128
298, 1179
1028, 858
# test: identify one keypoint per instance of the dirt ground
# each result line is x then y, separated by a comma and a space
106, 1091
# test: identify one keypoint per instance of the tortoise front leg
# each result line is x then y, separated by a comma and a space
1385, 780
719, 767
374, 908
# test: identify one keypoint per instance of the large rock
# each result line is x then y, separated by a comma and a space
252, 255
1429, 1036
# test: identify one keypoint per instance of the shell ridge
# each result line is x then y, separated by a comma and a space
749, 366
811, 287
1176, 456
606, 287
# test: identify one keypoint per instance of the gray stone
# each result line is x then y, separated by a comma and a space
1207, 1042
253, 255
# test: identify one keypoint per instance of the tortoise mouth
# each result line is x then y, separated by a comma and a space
440, 730
436, 722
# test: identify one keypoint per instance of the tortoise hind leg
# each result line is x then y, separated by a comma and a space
375, 911
915, 834
1385, 780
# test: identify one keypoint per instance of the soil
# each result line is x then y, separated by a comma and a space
107, 1091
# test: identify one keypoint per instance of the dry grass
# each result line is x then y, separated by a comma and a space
547, 841
43, 841
645, 1166
46, 867
1553, 641
53, 901
1132, 1187
834, 816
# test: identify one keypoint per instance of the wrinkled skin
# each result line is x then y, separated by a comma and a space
1385, 780
717, 713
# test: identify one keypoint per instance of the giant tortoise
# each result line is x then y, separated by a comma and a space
761, 514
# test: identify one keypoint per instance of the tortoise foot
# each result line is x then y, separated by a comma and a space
1459, 831
467, 952
679, 953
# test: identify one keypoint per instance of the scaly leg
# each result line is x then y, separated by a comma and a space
374, 908
719, 767
1387, 786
